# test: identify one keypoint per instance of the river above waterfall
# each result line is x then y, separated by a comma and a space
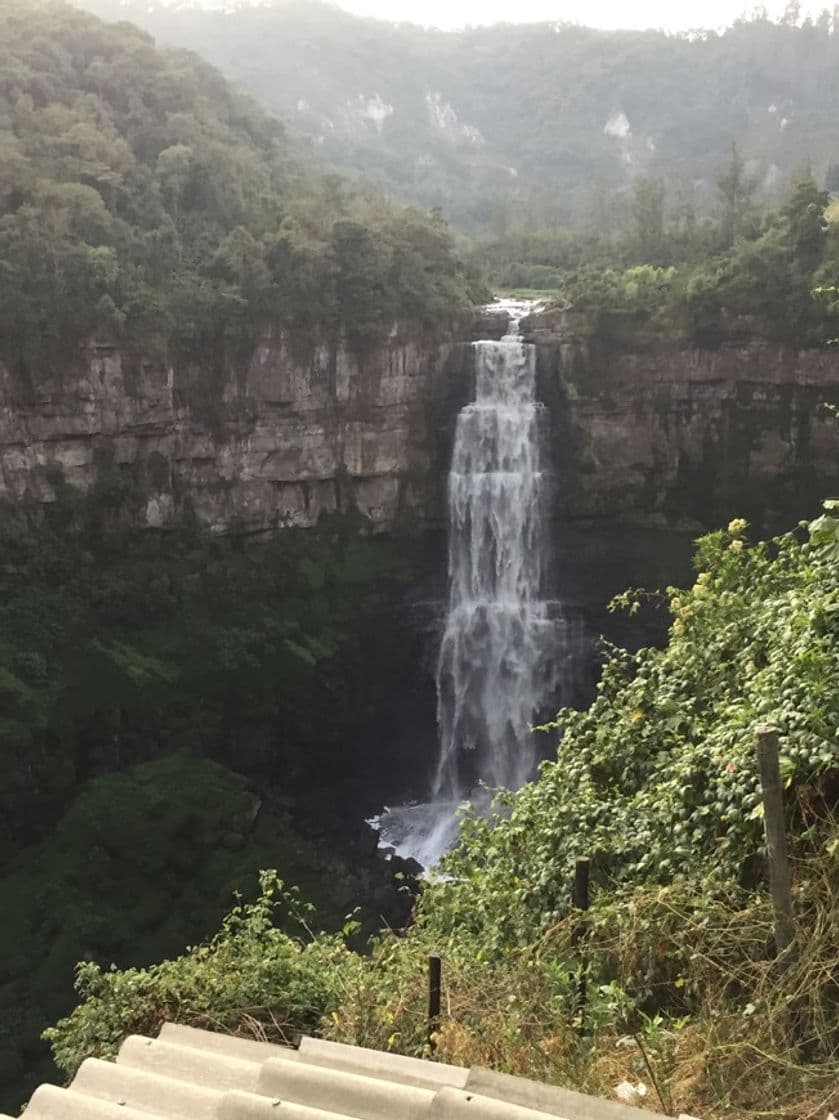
506, 642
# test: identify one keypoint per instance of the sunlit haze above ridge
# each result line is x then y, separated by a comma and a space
682, 15
668, 15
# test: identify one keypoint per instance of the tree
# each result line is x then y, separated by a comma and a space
358, 275
736, 189
174, 168
804, 215
139, 190
648, 213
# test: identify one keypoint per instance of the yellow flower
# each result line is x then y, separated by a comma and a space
675, 603
737, 526
678, 626
736, 546
703, 577
636, 715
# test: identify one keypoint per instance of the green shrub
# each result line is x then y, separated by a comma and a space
251, 978
656, 781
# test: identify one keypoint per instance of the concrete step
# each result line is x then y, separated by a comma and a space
230, 1046
51, 1103
552, 1099
378, 1063
146, 1092
186, 1063
367, 1098
249, 1106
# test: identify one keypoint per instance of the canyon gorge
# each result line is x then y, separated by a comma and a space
464, 434
311, 425
643, 448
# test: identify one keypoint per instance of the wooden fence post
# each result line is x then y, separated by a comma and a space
579, 900
435, 968
780, 877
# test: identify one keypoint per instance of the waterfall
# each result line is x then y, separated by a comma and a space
505, 647
490, 674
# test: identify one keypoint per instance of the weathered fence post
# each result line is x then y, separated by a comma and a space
780, 878
435, 968
579, 900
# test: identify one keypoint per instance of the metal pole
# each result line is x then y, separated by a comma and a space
579, 897
580, 901
434, 992
780, 876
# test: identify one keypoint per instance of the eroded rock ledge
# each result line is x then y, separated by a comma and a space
676, 435
311, 425
314, 424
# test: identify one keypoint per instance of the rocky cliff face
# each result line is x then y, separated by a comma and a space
681, 436
307, 426
313, 425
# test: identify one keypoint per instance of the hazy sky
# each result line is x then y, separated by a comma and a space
675, 15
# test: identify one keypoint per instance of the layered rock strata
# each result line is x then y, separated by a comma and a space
686, 436
308, 426
315, 424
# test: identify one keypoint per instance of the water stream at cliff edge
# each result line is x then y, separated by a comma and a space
500, 654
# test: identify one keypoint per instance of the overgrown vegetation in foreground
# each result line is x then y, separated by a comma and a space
658, 784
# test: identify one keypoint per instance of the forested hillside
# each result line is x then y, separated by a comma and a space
527, 125
741, 272
141, 196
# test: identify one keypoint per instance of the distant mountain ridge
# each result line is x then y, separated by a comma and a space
535, 124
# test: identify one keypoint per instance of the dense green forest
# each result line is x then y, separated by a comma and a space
148, 685
658, 783
740, 272
143, 198
121, 645
527, 126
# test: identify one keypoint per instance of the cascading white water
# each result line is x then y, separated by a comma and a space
492, 657
504, 646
